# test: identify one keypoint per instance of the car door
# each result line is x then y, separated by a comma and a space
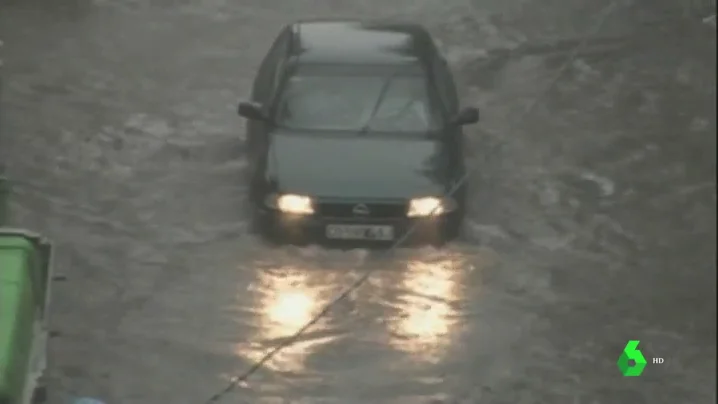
264, 86
454, 140
262, 93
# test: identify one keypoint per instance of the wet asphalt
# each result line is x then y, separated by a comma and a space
592, 219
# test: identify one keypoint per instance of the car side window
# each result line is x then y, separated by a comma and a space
269, 69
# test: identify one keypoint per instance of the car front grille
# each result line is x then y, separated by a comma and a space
375, 210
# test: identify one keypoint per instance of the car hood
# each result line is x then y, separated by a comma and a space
357, 166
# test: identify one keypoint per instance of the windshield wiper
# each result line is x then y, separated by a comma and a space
379, 100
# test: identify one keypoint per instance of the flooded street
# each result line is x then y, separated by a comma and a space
592, 218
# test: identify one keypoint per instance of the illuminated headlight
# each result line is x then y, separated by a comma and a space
430, 206
291, 203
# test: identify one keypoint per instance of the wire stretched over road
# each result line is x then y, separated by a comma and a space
241, 379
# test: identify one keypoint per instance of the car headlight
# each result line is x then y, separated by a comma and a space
292, 203
430, 206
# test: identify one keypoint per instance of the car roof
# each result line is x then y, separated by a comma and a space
360, 42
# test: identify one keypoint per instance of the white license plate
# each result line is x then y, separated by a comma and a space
359, 232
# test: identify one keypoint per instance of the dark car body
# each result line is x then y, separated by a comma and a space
357, 120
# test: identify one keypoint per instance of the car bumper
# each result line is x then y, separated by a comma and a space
304, 229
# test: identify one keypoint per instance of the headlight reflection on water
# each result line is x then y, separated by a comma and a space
421, 319
426, 320
287, 301
290, 311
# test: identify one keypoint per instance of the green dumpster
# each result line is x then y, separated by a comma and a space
4, 198
25, 279
4, 184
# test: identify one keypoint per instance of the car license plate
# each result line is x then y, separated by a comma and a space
360, 232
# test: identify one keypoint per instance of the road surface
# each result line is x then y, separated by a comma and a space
592, 222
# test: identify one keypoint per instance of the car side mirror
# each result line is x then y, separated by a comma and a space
251, 110
467, 116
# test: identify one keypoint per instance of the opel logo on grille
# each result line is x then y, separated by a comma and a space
360, 209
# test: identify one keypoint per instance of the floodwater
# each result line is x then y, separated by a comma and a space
592, 219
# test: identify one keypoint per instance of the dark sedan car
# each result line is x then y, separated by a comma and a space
355, 133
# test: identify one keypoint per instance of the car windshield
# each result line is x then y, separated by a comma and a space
380, 103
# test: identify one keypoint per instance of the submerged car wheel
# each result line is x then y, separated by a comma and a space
272, 237
261, 226
452, 230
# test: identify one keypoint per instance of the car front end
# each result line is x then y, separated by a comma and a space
298, 218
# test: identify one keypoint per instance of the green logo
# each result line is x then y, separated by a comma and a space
630, 353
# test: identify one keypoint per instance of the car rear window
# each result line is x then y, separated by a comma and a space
345, 102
